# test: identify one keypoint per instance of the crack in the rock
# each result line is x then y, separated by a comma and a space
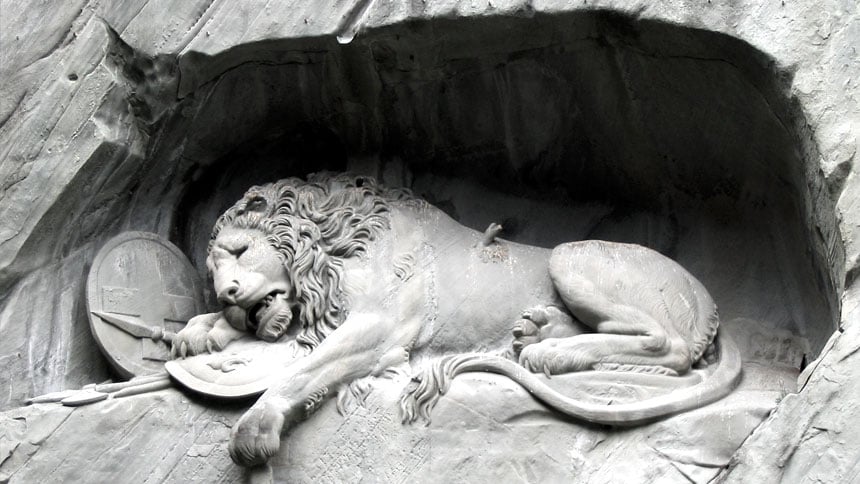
39, 444
14, 110
217, 77
196, 26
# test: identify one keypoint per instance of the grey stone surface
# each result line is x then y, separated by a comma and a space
810, 435
171, 437
94, 144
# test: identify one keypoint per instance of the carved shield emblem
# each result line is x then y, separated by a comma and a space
245, 368
141, 290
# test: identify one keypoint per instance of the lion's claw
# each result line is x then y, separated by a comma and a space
536, 315
519, 329
205, 333
188, 343
518, 346
525, 333
214, 344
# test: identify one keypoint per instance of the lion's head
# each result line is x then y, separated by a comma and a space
281, 246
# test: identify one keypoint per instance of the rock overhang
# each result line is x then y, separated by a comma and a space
658, 127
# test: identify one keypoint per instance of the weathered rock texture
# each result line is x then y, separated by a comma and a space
723, 135
168, 436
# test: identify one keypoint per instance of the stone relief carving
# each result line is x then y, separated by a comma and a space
65, 192
140, 291
353, 280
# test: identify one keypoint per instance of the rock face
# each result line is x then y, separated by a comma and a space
722, 135
171, 437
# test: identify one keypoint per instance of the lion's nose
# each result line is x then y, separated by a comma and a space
227, 294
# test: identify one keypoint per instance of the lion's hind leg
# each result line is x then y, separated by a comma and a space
637, 344
628, 337
600, 352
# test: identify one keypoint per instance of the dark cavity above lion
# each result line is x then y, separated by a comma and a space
373, 277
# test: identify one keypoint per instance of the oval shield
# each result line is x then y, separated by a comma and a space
141, 289
245, 368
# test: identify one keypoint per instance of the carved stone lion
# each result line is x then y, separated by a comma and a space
374, 278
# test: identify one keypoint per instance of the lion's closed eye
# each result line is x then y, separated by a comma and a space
221, 253
231, 246
237, 251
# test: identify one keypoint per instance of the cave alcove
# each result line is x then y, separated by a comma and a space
562, 127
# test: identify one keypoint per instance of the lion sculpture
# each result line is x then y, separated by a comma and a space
375, 278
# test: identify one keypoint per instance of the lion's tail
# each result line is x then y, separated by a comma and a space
424, 391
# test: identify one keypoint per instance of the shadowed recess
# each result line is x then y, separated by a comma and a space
572, 126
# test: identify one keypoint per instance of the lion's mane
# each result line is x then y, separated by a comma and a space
314, 225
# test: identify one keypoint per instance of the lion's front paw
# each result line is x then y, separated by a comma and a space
221, 335
257, 435
191, 340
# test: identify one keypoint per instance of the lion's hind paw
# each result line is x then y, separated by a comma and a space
526, 332
539, 323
